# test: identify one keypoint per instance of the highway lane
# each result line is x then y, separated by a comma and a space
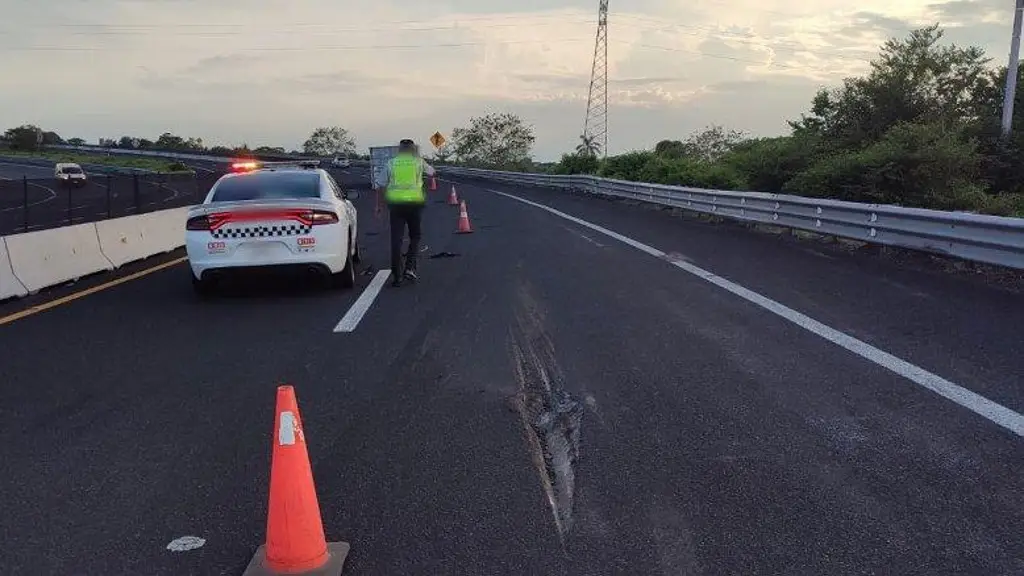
705, 435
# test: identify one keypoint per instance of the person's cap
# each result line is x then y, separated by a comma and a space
407, 144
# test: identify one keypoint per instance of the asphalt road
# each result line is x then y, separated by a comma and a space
548, 400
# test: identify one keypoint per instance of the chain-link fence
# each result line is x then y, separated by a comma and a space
31, 204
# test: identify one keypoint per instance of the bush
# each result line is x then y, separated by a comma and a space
178, 167
625, 166
932, 165
689, 172
766, 164
576, 164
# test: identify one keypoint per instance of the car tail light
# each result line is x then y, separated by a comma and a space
244, 166
198, 223
323, 217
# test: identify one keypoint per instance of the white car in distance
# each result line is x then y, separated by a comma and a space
69, 174
341, 162
273, 216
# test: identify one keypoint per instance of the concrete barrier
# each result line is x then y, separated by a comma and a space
121, 240
50, 257
10, 286
131, 238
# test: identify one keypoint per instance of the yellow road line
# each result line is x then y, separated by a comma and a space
72, 297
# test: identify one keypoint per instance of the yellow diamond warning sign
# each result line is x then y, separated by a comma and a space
437, 140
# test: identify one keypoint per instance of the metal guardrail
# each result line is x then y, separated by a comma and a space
981, 238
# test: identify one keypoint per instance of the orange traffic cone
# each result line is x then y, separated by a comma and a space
433, 183
295, 533
453, 199
464, 227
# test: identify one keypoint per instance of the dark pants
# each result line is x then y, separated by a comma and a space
403, 215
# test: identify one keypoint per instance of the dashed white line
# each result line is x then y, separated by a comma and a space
976, 403
362, 304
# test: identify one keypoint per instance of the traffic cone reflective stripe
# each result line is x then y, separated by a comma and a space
295, 533
453, 199
464, 226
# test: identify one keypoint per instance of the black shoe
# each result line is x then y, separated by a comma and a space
411, 275
396, 281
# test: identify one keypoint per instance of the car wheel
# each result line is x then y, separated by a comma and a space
347, 277
202, 288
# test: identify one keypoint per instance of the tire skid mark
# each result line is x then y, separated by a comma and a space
551, 417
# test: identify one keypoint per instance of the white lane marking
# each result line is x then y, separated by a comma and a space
358, 310
976, 403
186, 543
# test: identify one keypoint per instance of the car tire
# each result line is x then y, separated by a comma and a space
202, 288
347, 277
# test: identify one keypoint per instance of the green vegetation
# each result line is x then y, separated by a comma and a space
921, 129
114, 160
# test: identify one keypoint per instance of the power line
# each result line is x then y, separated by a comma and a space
314, 48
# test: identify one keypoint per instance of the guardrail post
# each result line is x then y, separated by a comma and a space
135, 190
110, 192
24, 204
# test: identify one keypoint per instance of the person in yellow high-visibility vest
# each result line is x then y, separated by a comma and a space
405, 197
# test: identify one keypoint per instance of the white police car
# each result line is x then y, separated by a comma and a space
341, 162
274, 215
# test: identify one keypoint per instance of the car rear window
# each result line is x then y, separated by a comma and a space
268, 186
71, 170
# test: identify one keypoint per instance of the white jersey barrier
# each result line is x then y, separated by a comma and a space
10, 286
131, 238
49, 257
32, 261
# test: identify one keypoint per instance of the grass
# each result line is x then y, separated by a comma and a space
114, 160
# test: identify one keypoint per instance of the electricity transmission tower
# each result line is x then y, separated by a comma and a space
1009, 93
595, 126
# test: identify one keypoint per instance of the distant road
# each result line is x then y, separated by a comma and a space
43, 203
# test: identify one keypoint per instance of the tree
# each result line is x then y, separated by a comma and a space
494, 140
168, 141
128, 142
711, 143
24, 137
588, 146
76, 141
329, 141
51, 138
670, 149
269, 150
913, 79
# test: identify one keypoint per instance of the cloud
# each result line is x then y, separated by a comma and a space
270, 72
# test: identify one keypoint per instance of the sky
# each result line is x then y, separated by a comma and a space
269, 72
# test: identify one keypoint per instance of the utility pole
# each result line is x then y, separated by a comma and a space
1010, 93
